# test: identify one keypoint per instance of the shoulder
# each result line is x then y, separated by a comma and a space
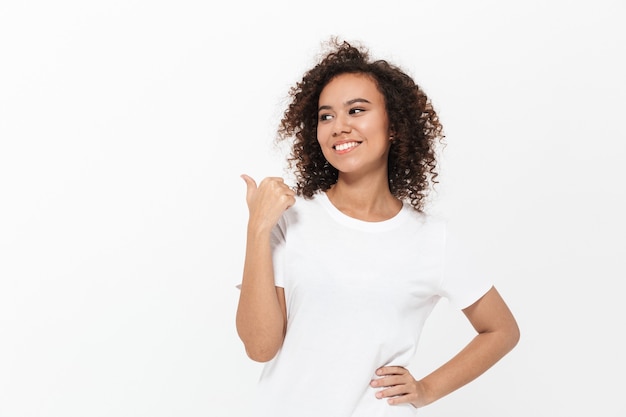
307, 203
304, 207
425, 220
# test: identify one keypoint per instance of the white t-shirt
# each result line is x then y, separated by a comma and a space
358, 294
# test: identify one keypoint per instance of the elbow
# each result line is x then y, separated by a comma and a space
513, 336
261, 354
260, 348
517, 336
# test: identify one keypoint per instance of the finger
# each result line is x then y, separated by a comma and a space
390, 381
396, 391
279, 188
408, 398
391, 370
399, 394
251, 186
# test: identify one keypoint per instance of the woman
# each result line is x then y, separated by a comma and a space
342, 271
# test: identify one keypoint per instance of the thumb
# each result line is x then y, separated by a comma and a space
250, 186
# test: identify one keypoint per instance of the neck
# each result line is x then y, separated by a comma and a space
364, 199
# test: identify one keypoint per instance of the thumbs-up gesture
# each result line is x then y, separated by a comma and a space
267, 201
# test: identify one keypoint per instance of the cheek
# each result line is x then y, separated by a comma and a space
323, 135
322, 143
322, 131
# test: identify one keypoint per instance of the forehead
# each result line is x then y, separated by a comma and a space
345, 87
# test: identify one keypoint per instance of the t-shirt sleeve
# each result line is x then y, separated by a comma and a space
463, 280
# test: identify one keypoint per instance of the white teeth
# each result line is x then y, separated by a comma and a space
347, 145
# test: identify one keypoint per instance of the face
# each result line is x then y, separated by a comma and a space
353, 127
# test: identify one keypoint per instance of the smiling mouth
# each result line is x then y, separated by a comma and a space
346, 145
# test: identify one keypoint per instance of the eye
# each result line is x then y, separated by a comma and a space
356, 110
325, 116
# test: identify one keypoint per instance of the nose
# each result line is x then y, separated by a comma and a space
341, 125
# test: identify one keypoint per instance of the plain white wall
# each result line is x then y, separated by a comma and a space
124, 127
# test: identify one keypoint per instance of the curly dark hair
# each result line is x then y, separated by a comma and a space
412, 164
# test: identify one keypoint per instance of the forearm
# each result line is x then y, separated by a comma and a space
477, 357
260, 319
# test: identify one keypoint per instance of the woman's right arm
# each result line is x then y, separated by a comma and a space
261, 313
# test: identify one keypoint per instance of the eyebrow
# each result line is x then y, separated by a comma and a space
348, 103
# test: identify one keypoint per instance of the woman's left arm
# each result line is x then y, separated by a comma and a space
498, 333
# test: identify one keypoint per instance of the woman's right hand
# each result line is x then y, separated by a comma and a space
267, 201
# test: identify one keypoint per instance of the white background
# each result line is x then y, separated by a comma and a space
124, 127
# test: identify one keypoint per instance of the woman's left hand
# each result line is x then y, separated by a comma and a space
399, 386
